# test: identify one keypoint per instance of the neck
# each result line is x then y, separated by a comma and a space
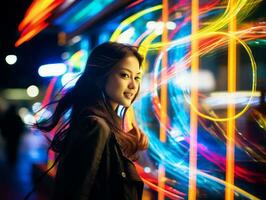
113, 105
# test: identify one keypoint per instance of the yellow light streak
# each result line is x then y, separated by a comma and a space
163, 98
34, 11
30, 34
254, 81
194, 101
231, 84
235, 188
131, 19
145, 45
240, 8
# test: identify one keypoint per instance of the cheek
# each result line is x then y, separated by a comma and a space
118, 83
113, 86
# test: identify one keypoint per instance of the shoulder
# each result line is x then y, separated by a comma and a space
97, 120
91, 130
94, 125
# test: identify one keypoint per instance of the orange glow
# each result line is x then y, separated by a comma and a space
233, 187
49, 91
194, 101
163, 99
34, 15
27, 35
230, 146
161, 190
35, 19
45, 101
150, 181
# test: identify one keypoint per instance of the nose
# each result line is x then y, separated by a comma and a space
133, 84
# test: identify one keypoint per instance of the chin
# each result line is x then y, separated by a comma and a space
126, 104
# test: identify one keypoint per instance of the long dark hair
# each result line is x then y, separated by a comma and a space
88, 97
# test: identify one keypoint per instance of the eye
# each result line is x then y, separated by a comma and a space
124, 75
138, 78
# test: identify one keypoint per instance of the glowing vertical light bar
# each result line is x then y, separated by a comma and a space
163, 98
46, 100
194, 101
230, 147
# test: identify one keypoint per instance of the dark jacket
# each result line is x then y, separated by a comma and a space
93, 166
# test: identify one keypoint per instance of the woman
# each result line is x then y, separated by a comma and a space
95, 153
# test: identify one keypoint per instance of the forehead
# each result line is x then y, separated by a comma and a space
131, 63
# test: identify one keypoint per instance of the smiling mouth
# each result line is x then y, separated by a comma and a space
128, 95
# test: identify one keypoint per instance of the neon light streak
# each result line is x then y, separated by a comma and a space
254, 81
144, 46
49, 91
35, 19
194, 100
45, 101
221, 22
28, 34
233, 187
163, 99
161, 190
131, 19
230, 146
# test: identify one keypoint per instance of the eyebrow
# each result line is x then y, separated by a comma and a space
130, 71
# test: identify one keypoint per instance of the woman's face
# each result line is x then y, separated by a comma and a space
123, 82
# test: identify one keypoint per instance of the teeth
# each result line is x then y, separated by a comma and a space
128, 95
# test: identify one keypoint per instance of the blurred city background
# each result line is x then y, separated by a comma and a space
202, 100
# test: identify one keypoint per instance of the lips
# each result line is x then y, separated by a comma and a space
128, 95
